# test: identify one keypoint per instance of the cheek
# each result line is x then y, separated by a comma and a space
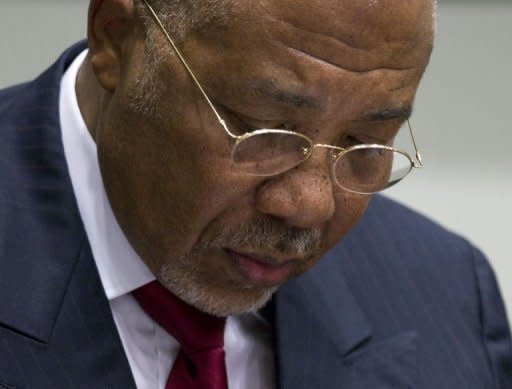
349, 209
194, 188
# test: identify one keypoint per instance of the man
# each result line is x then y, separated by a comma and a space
142, 203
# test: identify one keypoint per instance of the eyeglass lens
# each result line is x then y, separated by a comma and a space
267, 153
370, 169
363, 169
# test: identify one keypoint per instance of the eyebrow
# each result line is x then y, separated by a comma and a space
403, 113
270, 88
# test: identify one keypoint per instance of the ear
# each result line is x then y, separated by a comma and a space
110, 27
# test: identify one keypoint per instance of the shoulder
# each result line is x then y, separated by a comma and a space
8, 94
410, 258
407, 270
400, 262
17, 99
408, 273
392, 230
8, 99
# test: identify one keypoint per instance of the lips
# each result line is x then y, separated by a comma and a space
262, 271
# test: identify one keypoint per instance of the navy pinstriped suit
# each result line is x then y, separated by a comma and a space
399, 303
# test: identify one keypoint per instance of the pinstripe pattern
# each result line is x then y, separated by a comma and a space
414, 283
399, 303
53, 311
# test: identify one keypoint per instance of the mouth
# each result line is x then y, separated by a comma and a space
262, 271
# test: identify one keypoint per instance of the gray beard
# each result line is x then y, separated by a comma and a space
186, 285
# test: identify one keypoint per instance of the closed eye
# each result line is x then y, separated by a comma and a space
354, 139
244, 124
351, 140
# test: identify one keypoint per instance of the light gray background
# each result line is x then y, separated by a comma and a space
462, 117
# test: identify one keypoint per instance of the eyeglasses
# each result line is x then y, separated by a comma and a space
362, 168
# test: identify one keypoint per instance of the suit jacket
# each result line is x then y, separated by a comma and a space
398, 303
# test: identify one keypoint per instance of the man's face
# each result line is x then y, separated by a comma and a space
340, 72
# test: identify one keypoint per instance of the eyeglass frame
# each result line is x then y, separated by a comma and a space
339, 151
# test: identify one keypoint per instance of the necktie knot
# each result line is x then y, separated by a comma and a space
201, 361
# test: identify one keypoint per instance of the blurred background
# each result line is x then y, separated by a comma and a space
462, 117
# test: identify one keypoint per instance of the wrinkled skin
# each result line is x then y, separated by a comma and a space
326, 68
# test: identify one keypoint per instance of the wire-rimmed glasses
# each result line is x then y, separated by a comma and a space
362, 168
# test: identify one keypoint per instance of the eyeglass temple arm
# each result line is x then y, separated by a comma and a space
189, 70
418, 163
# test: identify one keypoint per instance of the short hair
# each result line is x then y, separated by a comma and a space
181, 16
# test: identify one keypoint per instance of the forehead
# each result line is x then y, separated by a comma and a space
362, 23
318, 51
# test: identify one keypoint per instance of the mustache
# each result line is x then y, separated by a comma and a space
268, 235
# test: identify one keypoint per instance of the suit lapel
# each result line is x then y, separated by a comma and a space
40, 225
94, 355
324, 340
53, 308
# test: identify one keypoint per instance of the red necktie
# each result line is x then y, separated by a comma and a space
201, 361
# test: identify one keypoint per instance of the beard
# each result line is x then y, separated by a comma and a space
205, 278
209, 297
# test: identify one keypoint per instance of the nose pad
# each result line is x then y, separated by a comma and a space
303, 196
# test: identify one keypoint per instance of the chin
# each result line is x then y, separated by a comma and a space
215, 298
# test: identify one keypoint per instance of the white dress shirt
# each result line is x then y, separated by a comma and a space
150, 350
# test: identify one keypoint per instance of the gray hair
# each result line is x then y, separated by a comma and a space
181, 16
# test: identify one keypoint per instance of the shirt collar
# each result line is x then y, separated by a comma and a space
120, 268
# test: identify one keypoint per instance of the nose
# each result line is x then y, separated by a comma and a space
303, 196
